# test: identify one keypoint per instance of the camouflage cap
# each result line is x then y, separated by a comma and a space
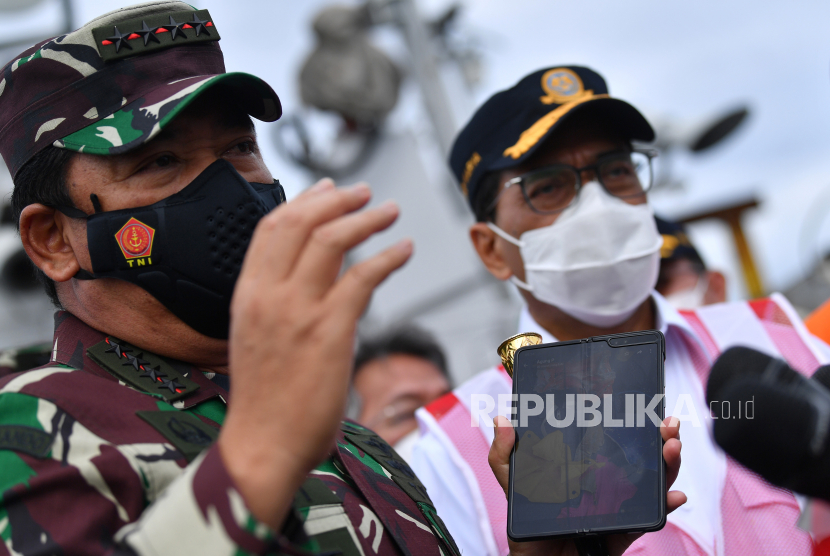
115, 83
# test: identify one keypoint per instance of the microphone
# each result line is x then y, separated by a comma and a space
782, 433
744, 362
822, 376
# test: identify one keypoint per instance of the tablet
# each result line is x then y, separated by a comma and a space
588, 457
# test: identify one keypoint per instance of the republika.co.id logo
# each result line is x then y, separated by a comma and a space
135, 238
725, 409
583, 410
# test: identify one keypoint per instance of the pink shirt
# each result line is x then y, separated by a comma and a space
730, 510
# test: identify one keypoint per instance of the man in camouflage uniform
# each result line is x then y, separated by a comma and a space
123, 443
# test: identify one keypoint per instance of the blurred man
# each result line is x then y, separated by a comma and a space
143, 199
683, 279
559, 196
394, 375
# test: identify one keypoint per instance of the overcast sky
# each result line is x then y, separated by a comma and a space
685, 61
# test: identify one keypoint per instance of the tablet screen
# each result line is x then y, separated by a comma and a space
589, 453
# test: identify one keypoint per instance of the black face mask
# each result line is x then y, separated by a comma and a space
187, 249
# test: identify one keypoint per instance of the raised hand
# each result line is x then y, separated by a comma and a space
293, 322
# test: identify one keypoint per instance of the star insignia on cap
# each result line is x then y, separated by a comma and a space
175, 29
154, 374
137, 362
116, 349
120, 39
199, 25
172, 385
147, 34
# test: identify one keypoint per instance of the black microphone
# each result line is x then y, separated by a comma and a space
743, 362
822, 376
778, 420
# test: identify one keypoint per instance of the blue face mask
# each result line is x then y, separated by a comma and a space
187, 249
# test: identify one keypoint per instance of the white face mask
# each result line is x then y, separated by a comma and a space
690, 298
597, 262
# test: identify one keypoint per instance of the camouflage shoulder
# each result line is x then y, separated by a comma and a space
375, 466
25, 358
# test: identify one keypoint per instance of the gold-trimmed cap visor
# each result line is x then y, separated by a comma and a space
620, 116
510, 126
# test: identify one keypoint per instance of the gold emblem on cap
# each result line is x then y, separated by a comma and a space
562, 85
510, 345
670, 243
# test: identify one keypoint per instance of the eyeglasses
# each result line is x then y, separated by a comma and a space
554, 188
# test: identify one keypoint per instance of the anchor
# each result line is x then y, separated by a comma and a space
135, 241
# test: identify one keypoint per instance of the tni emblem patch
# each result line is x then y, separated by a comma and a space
135, 239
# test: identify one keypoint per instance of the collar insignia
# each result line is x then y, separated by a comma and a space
145, 372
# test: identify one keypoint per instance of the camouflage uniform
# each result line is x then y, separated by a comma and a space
24, 358
108, 449
84, 471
